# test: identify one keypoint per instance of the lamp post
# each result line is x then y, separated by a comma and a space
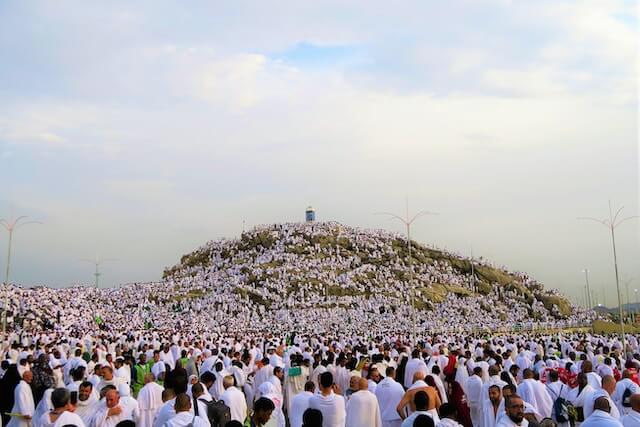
586, 277
635, 312
10, 226
408, 221
98, 262
612, 223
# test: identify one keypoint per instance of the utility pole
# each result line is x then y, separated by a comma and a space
612, 223
10, 226
408, 221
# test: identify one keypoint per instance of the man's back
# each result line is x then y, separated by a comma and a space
332, 407
363, 410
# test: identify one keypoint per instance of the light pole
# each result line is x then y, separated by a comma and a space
10, 226
635, 312
626, 285
586, 277
407, 221
98, 262
612, 223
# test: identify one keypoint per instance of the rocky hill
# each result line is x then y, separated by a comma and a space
329, 264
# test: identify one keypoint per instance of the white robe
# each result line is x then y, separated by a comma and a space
617, 395
149, 402
183, 419
102, 420
601, 419
87, 409
389, 393
591, 399
332, 407
299, 404
23, 404
632, 419
474, 398
413, 366
234, 399
488, 417
534, 393
43, 407
363, 410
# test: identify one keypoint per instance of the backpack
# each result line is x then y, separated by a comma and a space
626, 397
218, 413
561, 407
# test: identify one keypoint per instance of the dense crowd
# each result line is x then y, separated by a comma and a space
319, 277
158, 379
308, 325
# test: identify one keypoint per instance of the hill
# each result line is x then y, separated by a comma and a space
329, 264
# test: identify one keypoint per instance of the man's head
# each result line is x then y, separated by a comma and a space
421, 401
448, 410
278, 373
582, 380
508, 390
602, 404
197, 390
168, 394
326, 381
27, 376
494, 394
363, 384
84, 391
354, 383
107, 373
149, 378
183, 403
61, 398
609, 384
310, 386
374, 375
112, 398
390, 372
494, 370
262, 410
208, 378
312, 418
142, 359
477, 371
527, 374
514, 407
553, 376
227, 381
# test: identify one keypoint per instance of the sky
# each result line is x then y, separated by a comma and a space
137, 131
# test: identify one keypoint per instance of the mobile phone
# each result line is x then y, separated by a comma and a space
74, 397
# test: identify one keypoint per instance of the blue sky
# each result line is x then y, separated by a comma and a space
140, 130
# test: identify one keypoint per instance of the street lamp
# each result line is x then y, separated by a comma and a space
586, 277
635, 311
10, 226
407, 221
98, 262
612, 223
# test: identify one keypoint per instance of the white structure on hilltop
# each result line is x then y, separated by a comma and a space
310, 214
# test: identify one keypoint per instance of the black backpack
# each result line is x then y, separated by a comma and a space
626, 397
561, 407
218, 413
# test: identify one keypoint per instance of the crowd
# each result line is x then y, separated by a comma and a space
320, 277
311, 325
150, 380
